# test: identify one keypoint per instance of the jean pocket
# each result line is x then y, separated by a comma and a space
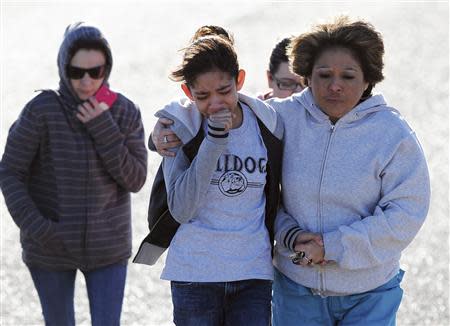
118, 225
182, 284
190, 298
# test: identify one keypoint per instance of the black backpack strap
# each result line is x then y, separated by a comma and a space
161, 223
274, 148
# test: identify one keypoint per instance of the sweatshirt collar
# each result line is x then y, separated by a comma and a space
374, 103
188, 120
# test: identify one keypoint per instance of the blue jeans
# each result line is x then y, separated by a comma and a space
105, 287
294, 304
235, 303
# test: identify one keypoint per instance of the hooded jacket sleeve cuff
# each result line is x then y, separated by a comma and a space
216, 133
291, 236
217, 140
332, 244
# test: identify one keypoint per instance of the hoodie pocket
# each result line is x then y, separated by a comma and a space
53, 244
120, 225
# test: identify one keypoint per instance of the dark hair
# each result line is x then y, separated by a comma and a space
88, 44
207, 53
359, 37
279, 55
212, 30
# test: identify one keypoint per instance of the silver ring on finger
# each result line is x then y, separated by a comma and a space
165, 140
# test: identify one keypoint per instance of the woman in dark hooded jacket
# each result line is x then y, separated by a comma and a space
68, 168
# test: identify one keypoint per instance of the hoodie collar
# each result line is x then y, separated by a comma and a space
374, 103
188, 120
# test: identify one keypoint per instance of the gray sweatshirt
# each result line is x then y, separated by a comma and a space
363, 183
219, 199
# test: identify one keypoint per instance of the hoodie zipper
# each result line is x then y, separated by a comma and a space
321, 286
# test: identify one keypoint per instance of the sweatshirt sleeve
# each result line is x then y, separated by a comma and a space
187, 183
286, 229
122, 152
398, 216
21, 147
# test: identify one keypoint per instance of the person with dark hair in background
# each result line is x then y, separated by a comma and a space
222, 188
67, 171
282, 81
354, 174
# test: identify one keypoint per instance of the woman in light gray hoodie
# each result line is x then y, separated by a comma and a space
354, 180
